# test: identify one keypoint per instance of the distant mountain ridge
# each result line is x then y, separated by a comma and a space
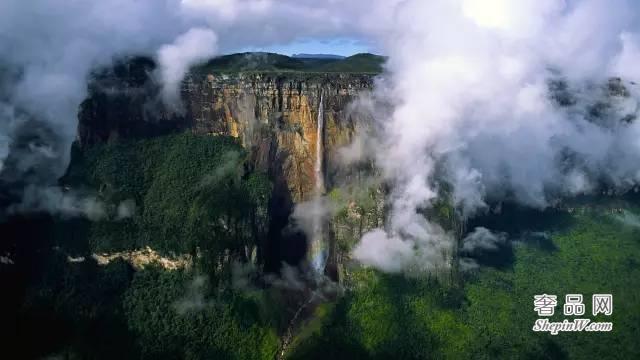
318, 56
272, 62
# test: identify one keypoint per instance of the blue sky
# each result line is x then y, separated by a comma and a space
340, 46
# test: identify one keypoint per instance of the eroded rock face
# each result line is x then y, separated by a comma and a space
139, 259
276, 118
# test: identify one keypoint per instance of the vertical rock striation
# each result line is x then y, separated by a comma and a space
275, 117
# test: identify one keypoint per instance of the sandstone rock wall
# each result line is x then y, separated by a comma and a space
275, 117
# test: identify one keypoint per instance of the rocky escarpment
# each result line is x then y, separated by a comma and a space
276, 117
273, 115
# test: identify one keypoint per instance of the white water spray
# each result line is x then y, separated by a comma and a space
320, 150
318, 249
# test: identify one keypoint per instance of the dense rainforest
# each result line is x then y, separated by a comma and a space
187, 195
194, 195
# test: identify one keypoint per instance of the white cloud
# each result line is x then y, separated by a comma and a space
174, 60
386, 253
56, 201
469, 85
126, 209
482, 239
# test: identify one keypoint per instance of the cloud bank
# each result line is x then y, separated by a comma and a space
470, 86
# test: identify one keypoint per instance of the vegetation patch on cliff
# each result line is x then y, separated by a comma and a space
190, 192
270, 62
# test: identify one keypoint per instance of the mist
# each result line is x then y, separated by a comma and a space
471, 86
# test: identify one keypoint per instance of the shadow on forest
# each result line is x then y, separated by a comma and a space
394, 319
51, 303
532, 227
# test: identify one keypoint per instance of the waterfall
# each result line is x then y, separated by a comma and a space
318, 248
320, 150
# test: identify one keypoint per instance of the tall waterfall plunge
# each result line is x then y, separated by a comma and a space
318, 249
320, 150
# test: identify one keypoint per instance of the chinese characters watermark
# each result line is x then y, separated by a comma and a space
546, 304
602, 304
573, 305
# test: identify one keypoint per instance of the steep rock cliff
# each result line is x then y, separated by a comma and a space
275, 116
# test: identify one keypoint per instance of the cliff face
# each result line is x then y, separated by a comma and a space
276, 118
124, 102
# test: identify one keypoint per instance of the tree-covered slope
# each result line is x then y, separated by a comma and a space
192, 195
253, 61
364, 63
270, 62
195, 192
189, 191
